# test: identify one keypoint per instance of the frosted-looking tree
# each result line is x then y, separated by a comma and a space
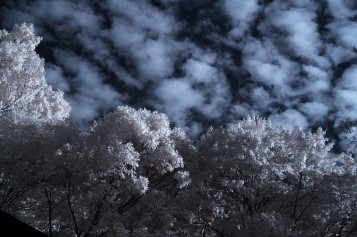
122, 178
25, 97
136, 155
254, 179
28, 107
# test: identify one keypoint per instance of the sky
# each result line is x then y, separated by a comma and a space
203, 63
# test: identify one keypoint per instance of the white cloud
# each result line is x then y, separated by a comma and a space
89, 94
55, 77
261, 98
269, 73
179, 94
345, 96
346, 32
289, 119
317, 80
241, 110
199, 71
341, 30
349, 79
315, 111
154, 59
242, 13
144, 15
267, 65
341, 9
345, 102
303, 38
144, 35
176, 97
125, 35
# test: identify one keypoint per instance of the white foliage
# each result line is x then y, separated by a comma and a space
149, 132
25, 97
252, 172
255, 142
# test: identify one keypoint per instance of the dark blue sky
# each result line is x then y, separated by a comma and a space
201, 62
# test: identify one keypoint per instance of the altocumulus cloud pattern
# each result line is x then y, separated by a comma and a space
201, 62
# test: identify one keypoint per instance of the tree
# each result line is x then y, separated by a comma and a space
28, 105
25, 97
135, 153
30, 173
253, 179
122, 178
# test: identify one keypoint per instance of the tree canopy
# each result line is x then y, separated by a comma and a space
25, 96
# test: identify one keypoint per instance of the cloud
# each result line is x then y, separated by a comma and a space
341, 9
241, 13
202, 89
315, 111
262, 99
290, 119
345, 96
199, 71
55, 77
176, 97
300, 25
268, 66
88, 94
143, 15
154, 59
203, 62
345, 32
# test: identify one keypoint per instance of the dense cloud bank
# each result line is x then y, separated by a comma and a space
200, 62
